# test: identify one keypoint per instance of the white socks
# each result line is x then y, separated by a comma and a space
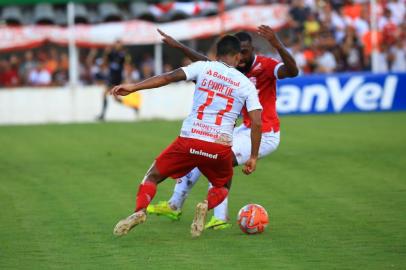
221, 210
183, 187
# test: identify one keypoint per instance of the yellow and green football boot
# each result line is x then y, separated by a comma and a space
163, 208
217, 224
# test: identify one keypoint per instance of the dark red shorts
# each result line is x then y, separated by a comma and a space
184, 154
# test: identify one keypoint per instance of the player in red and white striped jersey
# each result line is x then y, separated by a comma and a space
263, 72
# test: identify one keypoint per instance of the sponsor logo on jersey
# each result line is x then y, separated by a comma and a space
205, 133
202, 153
222, 77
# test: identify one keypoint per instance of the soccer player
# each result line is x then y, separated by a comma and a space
206, 134
115, 58
263, 72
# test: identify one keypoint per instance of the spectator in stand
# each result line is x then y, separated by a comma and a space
131, 73
325, 61
8, 73
383, 59
3, 64
298, 13
352, 9
311, 29
61, 75
398, 9
361, 24
299, 56
39, 76
97, 67
388, 25
28, 64
402, 28
12, 77
336, 4
352, 51
147, 66
397, 56
333, 21
316, 23
310, 57
64, 62
85, 72
52, 61
134, 100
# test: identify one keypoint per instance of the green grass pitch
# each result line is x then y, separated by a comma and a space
335, 191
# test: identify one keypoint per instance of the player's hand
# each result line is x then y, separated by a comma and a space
250, 166
266, 32
170, 41
121, 90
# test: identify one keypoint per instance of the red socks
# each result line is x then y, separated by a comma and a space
215, 196
146, 193
147, 190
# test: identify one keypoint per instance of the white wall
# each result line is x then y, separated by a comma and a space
61, 105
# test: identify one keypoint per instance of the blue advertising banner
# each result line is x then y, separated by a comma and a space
340, 93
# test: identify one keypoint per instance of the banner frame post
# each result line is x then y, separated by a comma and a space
158, 55
374, 36
72, 49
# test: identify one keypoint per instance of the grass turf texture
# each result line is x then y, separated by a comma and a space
335, 191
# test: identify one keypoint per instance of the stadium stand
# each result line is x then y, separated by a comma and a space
324, 36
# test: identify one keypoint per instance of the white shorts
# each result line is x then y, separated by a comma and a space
242, 143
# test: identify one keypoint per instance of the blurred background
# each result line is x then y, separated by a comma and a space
52, 44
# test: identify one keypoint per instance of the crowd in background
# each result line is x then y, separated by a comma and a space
323, 36
331, 36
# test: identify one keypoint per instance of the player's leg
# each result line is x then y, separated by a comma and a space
104, 104
173, 208
220, 219
174, 161
183, 187
215, 196
219, 172
242, 150
146, 192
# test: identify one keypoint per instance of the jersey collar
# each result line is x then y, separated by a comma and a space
225, 64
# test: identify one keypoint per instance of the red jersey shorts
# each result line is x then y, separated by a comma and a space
184, 154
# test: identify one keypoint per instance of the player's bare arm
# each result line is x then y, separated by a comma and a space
256, 134
289, 69
190, 53
153, 82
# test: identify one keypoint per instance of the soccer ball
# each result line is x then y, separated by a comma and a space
252, 219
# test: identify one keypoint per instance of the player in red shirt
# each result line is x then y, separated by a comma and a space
206, 135
263, 72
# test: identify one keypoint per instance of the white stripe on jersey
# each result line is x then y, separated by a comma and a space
221, 92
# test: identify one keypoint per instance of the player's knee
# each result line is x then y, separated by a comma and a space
154, 176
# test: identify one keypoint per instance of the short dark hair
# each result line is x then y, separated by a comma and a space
243, 36
228, 45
